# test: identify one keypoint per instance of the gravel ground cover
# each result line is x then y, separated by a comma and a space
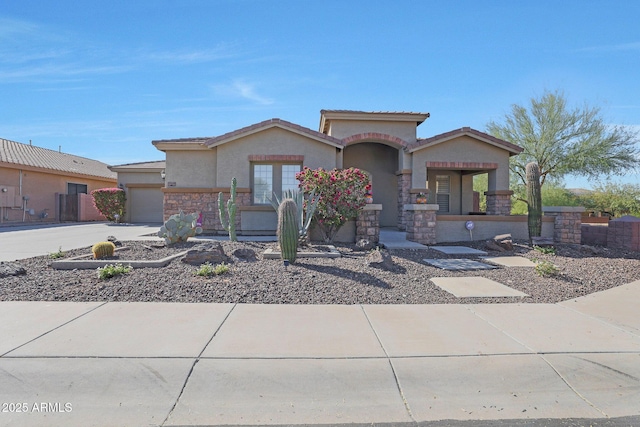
346, 280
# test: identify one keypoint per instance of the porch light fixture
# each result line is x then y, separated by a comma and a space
163, 174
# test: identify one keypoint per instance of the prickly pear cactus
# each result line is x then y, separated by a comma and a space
288, 230
228, 213
534, 199
103, 250
179, 228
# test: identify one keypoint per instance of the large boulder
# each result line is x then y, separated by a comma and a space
500, 243
245, 255
212, 253
379, 259
11, 269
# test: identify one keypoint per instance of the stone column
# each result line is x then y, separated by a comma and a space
368, 223
421, 223
499, 202
567, 226
404, 198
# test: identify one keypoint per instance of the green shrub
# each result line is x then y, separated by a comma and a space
59, 254
110, 202
110, 270
207, 269
546, 269
545, 250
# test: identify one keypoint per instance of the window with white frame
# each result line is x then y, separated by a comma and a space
269, 178
443, 188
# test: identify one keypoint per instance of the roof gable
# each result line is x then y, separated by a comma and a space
269, 124
19, 154
465, 131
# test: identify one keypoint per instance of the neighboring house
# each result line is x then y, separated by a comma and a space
143, 184
265, 157
38, 184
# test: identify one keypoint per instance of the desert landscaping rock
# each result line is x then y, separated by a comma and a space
212, 253
11, 269
380, 259
246, 255
344, 280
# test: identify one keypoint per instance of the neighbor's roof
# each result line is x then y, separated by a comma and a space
406, 116
140, 166
279, 123
465, 131
27, 155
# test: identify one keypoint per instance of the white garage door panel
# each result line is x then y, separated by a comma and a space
146, 204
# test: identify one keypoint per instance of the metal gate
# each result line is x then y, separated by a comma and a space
68, 207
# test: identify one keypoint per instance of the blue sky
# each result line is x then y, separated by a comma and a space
103, 79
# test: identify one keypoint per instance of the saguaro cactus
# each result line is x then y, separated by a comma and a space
228, 213
534, 199
288, 230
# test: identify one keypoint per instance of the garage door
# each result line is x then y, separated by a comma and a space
145, 204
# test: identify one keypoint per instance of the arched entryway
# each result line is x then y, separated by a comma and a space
381, 161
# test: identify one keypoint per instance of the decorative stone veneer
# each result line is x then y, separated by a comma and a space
205, 201
567, 223
404, 196
368, 223
421, 223
499, 202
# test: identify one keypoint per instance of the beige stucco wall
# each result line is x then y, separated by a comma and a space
41, 188
461, 149
233, 156
151, 177
259, 221
344, 128
452, 229
191, 168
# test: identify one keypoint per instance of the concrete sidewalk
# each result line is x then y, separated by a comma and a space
165, 364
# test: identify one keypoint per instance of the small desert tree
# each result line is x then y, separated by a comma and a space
566, 141
110, 202
342, 195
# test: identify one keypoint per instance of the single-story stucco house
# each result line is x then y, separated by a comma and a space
42, 185
264, 158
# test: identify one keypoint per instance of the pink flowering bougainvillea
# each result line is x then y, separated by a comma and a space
342, 195
110, 202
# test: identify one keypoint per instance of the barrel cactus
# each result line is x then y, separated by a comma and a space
179, 228
534, 199
288, 230
103, 250
228, 212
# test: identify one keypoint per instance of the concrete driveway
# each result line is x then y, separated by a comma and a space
28, 241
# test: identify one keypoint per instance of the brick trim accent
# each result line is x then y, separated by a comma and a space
461, 165
275, 158
375, 136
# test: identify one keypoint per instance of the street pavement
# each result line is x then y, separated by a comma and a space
27, 241
576, 363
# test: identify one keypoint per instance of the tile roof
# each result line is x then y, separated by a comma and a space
20, 154
326, 116
273, 123
371, 112
423, 142
196, 140
156, 164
